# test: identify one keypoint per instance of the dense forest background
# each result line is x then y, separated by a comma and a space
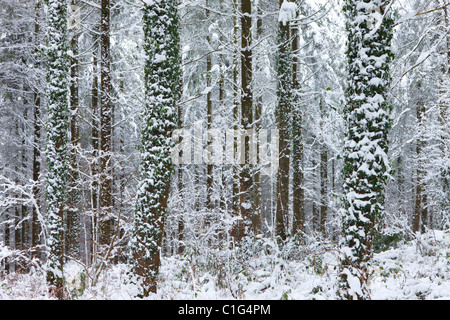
276, 67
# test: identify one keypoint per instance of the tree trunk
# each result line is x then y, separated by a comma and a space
235, 191
258, 119
419, 221
366, 143
181, 222
444, 111
209, 165
244, 226
323, 177
161, 38
106, 112
283, 118
35, 223
298, 200
95, 154
73, 226
57, 140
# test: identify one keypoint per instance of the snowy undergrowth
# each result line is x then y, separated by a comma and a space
416, 269
419, 269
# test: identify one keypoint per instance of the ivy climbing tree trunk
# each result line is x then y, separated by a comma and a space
159, 119
367, 118
57, 139
283, 115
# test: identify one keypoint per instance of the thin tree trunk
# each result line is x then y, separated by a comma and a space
419, 207
323, 177
106, 112
298, 201
181, 222
35, 223
95, 154
7, 239
209, 169
246, 201
23, 266
235, 191
258, 118
444, 111
73, 215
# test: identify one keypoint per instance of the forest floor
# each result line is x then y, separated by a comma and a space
406, 270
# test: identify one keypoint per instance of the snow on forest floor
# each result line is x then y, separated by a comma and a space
417, 269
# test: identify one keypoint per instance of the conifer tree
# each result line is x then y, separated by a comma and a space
367, 111
159, 119
57, 139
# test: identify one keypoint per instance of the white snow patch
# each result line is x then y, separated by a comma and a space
288, 12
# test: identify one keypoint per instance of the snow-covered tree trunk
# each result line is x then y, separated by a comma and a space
159, 119
323, 175
283, 113
73, 225
36, 165
235, 197
298, 192
209, 108
95, 152
106, 114
247, 207
367, 112
57, 139
444, 101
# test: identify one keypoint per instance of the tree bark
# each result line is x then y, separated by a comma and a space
209, 166
235, 168
298, 201
420, 210
323, 177
95, 123
245, 225
106, 113
35, 223
283, 118
57, 141
73, 213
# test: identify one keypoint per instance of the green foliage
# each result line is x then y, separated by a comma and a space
57, 138
367, 115
317, 289
162, 72
383, 242
78, 286
285, 295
